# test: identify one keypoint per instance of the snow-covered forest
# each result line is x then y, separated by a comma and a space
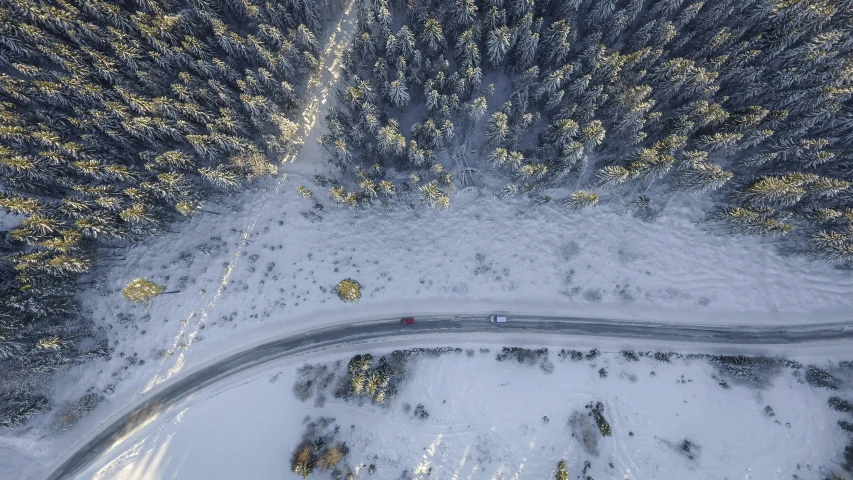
116, 118
120, 118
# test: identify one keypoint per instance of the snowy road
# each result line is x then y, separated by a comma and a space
383, 329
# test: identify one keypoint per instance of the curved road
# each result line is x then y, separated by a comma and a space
386, 328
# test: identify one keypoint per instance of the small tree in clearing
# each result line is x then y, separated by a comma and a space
332, 458
303, 460
562, 474
141, 291
348, 290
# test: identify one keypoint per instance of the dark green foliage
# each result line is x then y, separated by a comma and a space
688, 448
841, 404
562, 473
18, 407
318, 449
420, 412
821, 378
848, 458
752, 371
522, 355
573, 354
630, 355
597, 413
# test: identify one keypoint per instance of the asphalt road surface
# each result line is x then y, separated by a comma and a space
383, 329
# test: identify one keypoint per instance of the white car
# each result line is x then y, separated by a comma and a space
497, 319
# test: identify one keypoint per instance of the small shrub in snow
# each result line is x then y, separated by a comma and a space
372, 469
848, 458
19, 406
318, 449
304, 192
348, 290
630, 355
562, 473
602, 373
522, 355
768, 410
420, 412
846, 426
817, 377
689, 449
573, 354
665, 357
752, 371
597, 412
841, 405
303, 460
141, 290
593, 354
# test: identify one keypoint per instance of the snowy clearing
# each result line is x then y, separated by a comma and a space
486, 419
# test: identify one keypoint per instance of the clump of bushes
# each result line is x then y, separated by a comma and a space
841, 405
597, 413
348, 290
573, 354
421, 412
630, 355
821, 378
522, 355
752, 371
318, 449
365, 381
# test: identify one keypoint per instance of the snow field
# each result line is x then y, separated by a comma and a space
486, 422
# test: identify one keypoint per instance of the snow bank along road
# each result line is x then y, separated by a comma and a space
447, 325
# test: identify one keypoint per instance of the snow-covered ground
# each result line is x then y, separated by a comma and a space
486, 422
265, 264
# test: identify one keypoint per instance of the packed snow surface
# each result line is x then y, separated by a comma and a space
487, 421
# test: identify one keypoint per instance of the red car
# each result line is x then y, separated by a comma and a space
407, 321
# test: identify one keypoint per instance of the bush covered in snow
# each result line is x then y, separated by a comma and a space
348, 290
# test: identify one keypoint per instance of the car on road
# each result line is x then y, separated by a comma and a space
407, 321
497, 319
